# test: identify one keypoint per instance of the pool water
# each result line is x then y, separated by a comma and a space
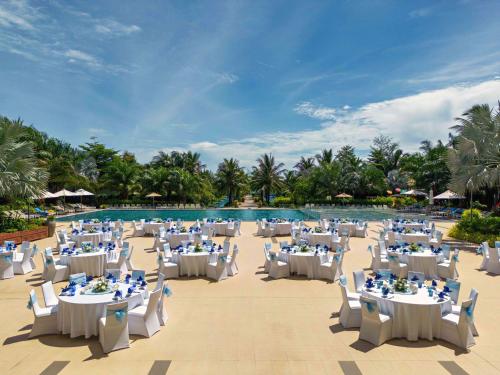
243, 215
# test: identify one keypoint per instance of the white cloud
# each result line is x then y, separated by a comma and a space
226, 78
409, 120
422, 12
113, 28
319, 113
18, 14
80, 55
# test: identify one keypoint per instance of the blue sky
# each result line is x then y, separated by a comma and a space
239, 78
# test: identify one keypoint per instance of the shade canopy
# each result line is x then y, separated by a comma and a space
83, 193
44, 195
414, 193
343, 195
64, 193
448, 194
153, 195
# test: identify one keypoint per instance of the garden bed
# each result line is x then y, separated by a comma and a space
25, 235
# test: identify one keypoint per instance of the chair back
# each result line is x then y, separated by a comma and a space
386, 274
466, 319
78, 278
49, 261
114, 272
494, 256
473, 297
226, 246
343, 290
49, 295
416, 276
33, 303
283, 244
116, 315
161, 279
268, 246
154, 297
369, 309
454, 287
359, 280
6, 259
446, 251
136, 274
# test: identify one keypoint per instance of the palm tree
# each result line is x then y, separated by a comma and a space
230, 178
304, 165
123, 176
266, 176
475, 160
326, 157
20, 175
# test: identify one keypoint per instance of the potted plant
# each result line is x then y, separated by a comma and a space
51, 224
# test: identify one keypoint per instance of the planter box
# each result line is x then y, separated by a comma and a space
25, 235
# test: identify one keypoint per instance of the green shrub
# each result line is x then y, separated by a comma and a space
282, 202
473, 227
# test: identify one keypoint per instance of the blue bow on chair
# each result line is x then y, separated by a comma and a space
120, 314
49, 261
369, 306
469, 313
343, 280
455, 258
30, 304
8, 258
167, 291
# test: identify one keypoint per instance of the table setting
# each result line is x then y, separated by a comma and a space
415, 306
88, 258
420, 258
304, 259
92, 235
82, 304
193, 259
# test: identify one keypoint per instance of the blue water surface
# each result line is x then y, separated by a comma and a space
241, 214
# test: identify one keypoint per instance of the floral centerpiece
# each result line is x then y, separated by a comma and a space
198, 248
303, 249
343, 221
318, 230
182, 229
100, 286
156, 220
87, 247
95, 221
401, 286
92, 230
218, 220
414, 247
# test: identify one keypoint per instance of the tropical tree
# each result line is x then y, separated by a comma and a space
122, 176
20, 174
304, 165
475, 160
385, 154
231, 178
325, 157
267, 176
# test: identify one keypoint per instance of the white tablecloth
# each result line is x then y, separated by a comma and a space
175, 239
425, 262
150, 227
283, 229
91, 263
413, 316
304, 264
350, 227
79, 315
193, 264
95, 238
415, 238
319, 238
87, 226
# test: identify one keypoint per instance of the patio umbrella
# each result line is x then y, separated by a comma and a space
44, 195
153, 195
343, 195
447, 195
63, 193
83, 193
415, 193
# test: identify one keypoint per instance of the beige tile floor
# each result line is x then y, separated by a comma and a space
249, 324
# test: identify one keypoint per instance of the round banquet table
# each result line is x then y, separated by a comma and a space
350, 227
425, 262
283, 229
175, 239
91, 263
319, 239
79, 315
192, 264
150, 227
219, 228
305, 264
415, 238
414, 316
94, 238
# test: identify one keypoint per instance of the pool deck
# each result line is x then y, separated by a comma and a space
249, 324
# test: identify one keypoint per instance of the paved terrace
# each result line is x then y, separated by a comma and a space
250, 324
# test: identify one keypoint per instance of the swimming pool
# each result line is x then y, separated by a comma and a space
243, 215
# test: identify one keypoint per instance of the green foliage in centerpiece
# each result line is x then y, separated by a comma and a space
401, 285
87, 247
182, 229
100, 286
304, 249
318, 230
198, 248
414, 247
